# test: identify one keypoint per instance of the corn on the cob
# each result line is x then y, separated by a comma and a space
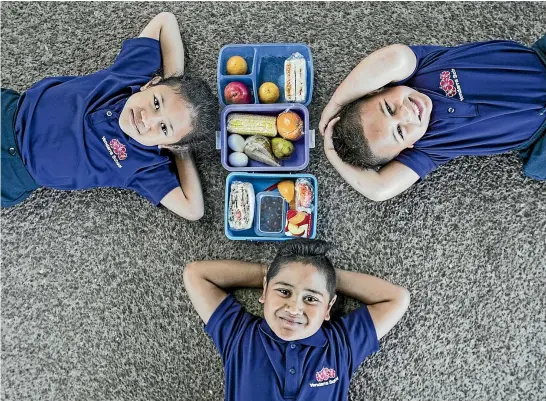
252, 124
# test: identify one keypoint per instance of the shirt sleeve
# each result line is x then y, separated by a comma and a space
155, 182
419, 161
227, 322
425, 55
361, 336
138, 56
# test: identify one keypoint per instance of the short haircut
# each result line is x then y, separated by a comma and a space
309, 252
204, 106
349, 140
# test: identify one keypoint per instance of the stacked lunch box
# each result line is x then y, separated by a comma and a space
265, 198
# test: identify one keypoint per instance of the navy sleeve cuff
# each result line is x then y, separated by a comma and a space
219, 313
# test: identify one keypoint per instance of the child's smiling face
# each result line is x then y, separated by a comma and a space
394, 119
296, 301
156, 115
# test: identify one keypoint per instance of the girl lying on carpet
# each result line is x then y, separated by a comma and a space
475, 99
295, 351
113, 128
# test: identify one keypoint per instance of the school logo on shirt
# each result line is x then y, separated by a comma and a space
449, 82
117, 150
325, 377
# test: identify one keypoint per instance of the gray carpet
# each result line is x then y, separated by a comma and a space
93, 304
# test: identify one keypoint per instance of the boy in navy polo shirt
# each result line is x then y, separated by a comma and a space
296, 351
108, 129
410, 109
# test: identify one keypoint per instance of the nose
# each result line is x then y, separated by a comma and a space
403, 114
149, 120
294, 306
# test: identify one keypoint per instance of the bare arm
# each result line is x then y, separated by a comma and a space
164, 27
207, 281
391, 180
186, 200
386, 302
386, 65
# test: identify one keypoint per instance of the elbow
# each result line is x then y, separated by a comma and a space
404, 299
380, 195
165, 15
377, 198
195, 213
189, 273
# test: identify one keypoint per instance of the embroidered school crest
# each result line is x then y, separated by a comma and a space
325, 377
447, 84
325, 374
119, 149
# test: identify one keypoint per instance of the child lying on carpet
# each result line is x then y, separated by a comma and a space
295, 351
108, 129
406, 110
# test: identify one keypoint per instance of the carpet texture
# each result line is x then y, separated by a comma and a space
93, 303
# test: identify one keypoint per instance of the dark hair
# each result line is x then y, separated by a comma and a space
201, 101
349, 140
312, 252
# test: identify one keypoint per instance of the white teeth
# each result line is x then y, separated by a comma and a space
416, 108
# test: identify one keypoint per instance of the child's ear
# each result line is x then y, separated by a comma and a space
330, 304
262, 297
154, 81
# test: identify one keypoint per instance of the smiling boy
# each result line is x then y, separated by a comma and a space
406, 110
296, 351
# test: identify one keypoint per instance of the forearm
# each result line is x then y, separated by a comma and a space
172, 48
365, 181
189, 177
208, 281
367, 289
380, 68
227, 274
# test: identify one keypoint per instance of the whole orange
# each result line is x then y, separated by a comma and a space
236, 65
290, 126
268, 92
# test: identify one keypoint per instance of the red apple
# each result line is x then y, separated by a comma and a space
236, 93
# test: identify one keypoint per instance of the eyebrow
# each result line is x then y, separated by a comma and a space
163, 103
305, 289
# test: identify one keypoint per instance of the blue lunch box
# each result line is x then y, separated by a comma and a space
299, 158
265, 64
261, 182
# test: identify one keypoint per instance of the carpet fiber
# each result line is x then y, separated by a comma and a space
93, 303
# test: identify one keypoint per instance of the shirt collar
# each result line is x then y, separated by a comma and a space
316, 340
444, 107
135, 88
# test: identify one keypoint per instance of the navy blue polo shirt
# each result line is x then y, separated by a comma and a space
487, 98
69, 135
258, 365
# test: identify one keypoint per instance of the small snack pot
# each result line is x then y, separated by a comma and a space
270, 207
265, 129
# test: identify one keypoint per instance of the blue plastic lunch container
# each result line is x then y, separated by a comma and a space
299, 158
261, 182
265, 64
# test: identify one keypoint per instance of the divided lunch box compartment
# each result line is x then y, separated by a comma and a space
261, 182
299, 158
265, 64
